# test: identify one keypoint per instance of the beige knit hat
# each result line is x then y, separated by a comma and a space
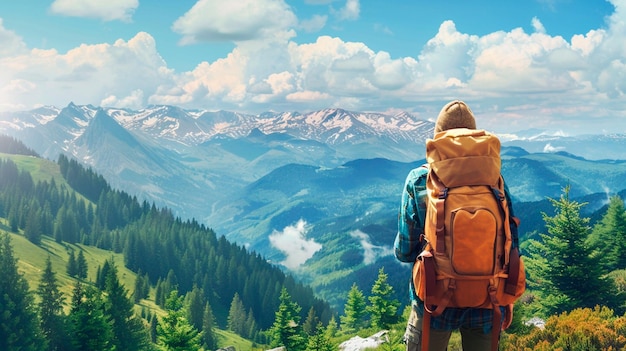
455, 114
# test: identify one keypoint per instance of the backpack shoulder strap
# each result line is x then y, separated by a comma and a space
513, 255
442, 194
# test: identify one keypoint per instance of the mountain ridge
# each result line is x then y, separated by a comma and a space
188, 160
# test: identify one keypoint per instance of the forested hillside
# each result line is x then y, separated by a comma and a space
78, 206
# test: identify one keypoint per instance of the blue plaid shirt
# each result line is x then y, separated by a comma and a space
407, 247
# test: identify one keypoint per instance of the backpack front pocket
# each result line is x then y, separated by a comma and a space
473, 235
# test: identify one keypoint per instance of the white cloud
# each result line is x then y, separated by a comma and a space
370, 251
242, 20
10, 43
314, 24
538, 26
109, 10
221, 82
516, 61
350, 11
133, 101
12, 88
308, 96
86, 74
293, 243
549, 148
586, 44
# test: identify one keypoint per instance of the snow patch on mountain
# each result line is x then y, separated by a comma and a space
193, 127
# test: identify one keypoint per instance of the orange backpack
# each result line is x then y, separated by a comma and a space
468, 260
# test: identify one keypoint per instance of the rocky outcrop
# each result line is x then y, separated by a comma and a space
358, 343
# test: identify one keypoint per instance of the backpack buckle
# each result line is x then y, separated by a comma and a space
498, 194
444, 194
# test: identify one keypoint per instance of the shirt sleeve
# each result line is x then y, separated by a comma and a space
411, 216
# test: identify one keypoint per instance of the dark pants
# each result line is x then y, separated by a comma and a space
473, 339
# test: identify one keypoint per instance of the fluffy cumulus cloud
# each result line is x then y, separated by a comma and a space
526, 79
109, 10
113, 74
242, 20
292, 242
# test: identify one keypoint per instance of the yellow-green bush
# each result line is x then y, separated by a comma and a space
582, 329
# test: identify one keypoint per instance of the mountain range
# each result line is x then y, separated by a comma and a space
320, 188
165, 154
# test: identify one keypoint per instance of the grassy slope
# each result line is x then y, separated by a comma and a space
32, 261
32, 258
39, 169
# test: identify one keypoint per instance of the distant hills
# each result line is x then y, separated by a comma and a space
351, 210
323, 186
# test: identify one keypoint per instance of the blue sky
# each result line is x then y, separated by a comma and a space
558, 65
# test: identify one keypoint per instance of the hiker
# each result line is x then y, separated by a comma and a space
474, 324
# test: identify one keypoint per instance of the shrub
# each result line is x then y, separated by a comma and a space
581, 329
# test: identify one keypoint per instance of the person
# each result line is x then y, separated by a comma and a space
474, 324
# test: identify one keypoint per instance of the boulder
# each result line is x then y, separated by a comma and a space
358, 343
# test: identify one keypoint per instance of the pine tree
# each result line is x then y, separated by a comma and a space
142, 287
236, 316
66, 226
58, 225
14, 219
311, 322
331, 328
81, 265
564, 268
72, 265
51, 309
19, 324
153, 328
146, 286
383, 309
209, 339
194, 303
129, 332
319, 340
159, 293
32, 230
609, 235
174, 332
250, 326
103, 272
88, 326
138, 291
165, 287
286, 330
354, 310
